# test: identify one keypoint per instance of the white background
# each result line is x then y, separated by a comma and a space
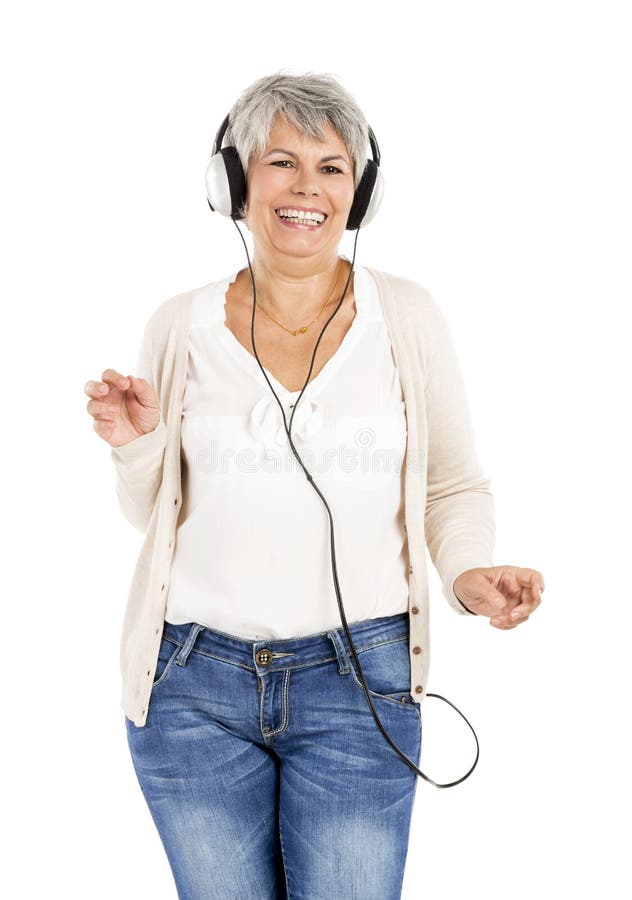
505, 137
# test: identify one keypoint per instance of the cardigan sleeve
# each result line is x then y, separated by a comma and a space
459, 514
139, 463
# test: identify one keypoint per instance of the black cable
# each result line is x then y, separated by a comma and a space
408, 762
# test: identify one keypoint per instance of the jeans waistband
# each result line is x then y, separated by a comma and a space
271, 654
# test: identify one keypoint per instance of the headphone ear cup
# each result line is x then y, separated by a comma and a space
368, 197
226, 183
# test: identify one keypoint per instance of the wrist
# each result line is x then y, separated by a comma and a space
456, 594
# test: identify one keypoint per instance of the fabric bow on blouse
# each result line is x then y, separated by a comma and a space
266, 422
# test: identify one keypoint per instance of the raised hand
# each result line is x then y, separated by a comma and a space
508, 594
123, 407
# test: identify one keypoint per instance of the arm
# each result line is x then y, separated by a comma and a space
138, 464
459, 515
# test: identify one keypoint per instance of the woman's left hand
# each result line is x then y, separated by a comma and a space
508, 594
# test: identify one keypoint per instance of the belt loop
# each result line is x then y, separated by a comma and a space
183, 655
343, 661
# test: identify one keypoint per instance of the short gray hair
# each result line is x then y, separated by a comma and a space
307, 101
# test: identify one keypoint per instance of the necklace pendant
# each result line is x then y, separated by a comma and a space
303, 329
293, 332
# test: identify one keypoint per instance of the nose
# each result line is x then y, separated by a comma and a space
304, 184
313, 192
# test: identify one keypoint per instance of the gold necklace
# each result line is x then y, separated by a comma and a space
304, 328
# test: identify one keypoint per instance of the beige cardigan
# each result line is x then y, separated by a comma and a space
448, 501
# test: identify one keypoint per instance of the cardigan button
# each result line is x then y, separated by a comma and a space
419, 688
416, 649
410, 568
415, 610
175, 502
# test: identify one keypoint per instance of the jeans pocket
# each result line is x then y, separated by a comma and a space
386, 669
166, 656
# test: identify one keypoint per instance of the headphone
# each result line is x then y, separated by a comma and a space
226, 183
226, 194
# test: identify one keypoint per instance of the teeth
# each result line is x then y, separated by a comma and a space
300, 215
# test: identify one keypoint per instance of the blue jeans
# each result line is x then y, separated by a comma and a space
264, 770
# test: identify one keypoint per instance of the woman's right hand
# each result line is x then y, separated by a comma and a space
123, 407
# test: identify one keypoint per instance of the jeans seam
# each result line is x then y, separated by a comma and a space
285, 709
285, 872
408, 703
174, 652
232, 662
395, 640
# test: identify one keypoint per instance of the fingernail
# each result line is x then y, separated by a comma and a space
103, 387
495, 621
498, 601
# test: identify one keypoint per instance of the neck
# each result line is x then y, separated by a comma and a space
296, 288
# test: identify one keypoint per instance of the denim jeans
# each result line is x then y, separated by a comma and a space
264, 770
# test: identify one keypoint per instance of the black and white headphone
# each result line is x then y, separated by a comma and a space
226, 183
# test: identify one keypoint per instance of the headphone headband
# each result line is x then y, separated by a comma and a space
219, 137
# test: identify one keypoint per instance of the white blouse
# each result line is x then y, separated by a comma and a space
252, 555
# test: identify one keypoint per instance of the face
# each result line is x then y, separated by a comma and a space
294, 172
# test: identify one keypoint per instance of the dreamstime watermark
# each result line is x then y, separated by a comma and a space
366, 458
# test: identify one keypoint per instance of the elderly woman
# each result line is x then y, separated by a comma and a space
249, 715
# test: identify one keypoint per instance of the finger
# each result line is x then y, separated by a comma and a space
139, 385
504, 625
95, 388
114, 378
494, 598
536, 590
530, 578
484, 592
523, 611
488, 602
508, 621
102, 409
516, 617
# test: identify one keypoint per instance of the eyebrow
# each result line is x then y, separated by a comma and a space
289, 153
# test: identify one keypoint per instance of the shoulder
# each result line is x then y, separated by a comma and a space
410, 301
168, 314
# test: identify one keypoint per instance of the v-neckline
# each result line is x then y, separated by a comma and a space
248, 362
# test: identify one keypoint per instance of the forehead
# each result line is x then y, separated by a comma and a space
285, 134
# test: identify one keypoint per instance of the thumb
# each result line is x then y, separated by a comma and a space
143, 394
139, 386
496, 599
478, 587
492, 595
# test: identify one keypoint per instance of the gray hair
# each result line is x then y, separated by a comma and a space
307, 101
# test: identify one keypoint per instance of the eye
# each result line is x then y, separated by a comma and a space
279, 162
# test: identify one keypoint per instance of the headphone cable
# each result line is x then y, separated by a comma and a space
408, 761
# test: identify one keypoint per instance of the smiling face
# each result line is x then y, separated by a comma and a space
297, 172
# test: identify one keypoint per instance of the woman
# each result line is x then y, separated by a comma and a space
246, 717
